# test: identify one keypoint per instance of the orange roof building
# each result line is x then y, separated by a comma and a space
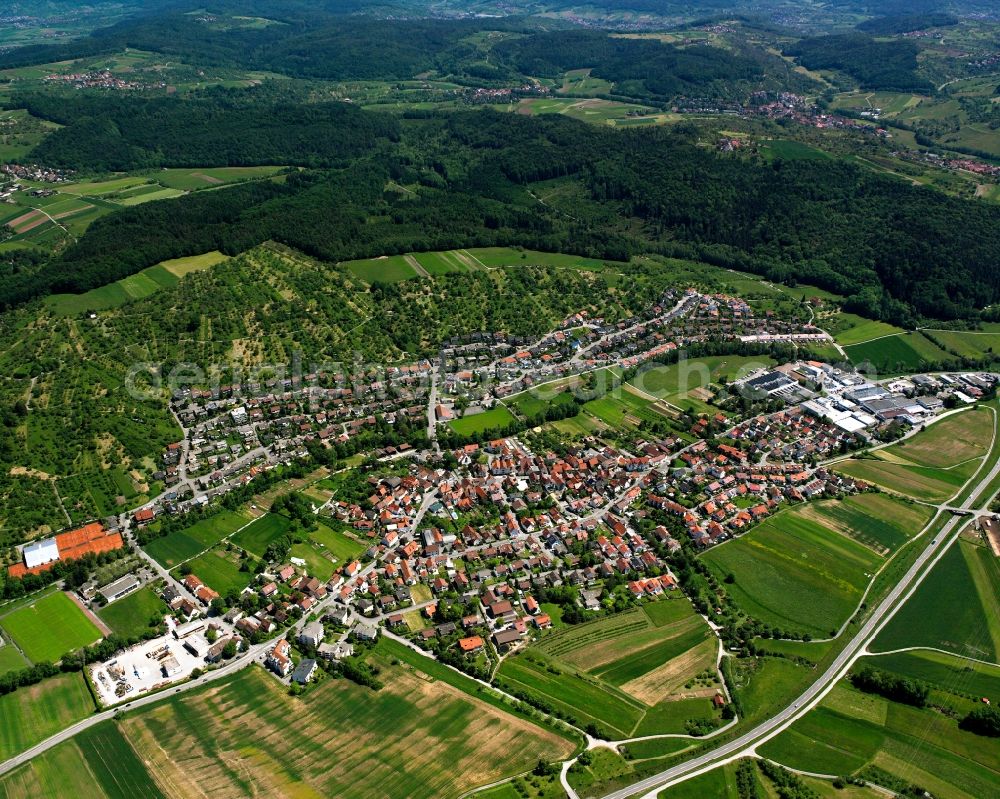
471, 644
89, 539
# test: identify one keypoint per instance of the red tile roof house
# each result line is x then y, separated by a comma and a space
471, 645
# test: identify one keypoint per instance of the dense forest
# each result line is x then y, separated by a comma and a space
876, 65
655, 69
905, 23
114, 132
897, 251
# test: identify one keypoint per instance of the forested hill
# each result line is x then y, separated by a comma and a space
898, 251
885, 65
109, 132
658, 70
320, 46
305, 44
905, 23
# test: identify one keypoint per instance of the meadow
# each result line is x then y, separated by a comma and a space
10, 658
49, 627
530, 403
848, 328
219, 569
902, 353
341, 546
794, 573
34, 712
949, 673
130, 615
236, 736
134, 287
495, 418
956, 608
973, 344
257, 535
174, 548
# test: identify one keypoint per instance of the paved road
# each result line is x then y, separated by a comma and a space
800, 706
648, 788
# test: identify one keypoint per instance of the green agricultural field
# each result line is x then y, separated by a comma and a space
956, 608
918, 482
60, 773
173, 549
217, 737
496, 418
790, 150
160, 194
180, 267
194, 179
848, 328
130, 615
573, 695
948, 673
34, 712
879, 521
257, 535
622, 409
443, 263
49, 627
135, 287
850, 730
794, 573
219, 570
114, 763
898, 354
640, 662
949, 442
387, 269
